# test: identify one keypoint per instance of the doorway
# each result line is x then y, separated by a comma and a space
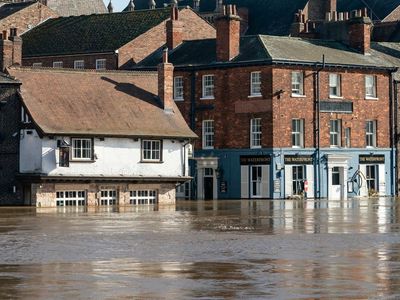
208, 184
256, 181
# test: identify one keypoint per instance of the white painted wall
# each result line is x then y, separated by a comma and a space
30, 160
114, 157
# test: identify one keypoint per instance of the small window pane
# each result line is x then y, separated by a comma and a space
255, 78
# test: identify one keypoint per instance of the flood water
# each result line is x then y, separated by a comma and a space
220, 249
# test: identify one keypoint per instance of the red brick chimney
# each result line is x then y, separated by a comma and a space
165, 82
228, 33
10, 49
174, 28
360, 31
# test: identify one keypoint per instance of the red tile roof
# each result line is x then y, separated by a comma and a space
69, 102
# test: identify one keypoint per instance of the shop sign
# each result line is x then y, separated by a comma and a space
223, 186
298, 160
372, 159
255, 160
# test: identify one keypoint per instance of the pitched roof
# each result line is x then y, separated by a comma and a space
263, 48
389, 52
77, 7
97, 103
11, 8
89, 34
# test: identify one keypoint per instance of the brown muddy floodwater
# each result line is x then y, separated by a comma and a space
209, 250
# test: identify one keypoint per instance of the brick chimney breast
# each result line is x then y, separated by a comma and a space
360, 34
165, 83
228, 34
174, 29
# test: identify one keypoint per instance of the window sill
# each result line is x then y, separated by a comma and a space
207, 98
82, 160
335, 97
371, 98
297, 96
255, 96
255, 147
208, 148
179, 99
297, 147
334, 147
370, 147
151, 162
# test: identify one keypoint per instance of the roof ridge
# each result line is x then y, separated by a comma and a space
87, 71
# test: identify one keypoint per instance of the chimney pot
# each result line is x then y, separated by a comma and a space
174, 29
228, 34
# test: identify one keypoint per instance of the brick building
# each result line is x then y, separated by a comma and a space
23, 16
278, 113
107, 41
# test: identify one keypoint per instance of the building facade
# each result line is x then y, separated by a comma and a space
280, 116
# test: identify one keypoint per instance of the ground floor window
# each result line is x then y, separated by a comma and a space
372, 178
71, 198
143, 197
298, 178
108, 197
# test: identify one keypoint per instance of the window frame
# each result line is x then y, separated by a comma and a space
208, 134
79, 61
338, 85
176, 96
255, 87
372, 96
347, 137
337, 133
255, 135
98, 62
299, 133
37, 65
300, 83
204, 88
372, 134
152, 151
60, 63
73, 147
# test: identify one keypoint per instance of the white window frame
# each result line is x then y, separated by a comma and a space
58, 64
347, 137
37, 65
178, 88
255, 133
297, 84
82, 148
208, 134
337, 133
370, 133
70, 198
151, 150
143, 197
335, 82
255, 84
208, 84
101, 64
108, 197
297, 133
370, 87
77, 66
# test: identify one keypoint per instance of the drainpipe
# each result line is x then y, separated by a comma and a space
394, 133
193, 100
317, 185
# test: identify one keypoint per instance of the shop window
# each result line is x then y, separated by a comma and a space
143, 197
71, 198
108, 197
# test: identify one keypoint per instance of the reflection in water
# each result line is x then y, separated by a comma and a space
218, 249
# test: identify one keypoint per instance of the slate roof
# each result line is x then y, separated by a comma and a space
77, 7
11, 8
89, 34
70, 102
389, 52
268, 49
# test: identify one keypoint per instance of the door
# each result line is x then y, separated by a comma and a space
372, 179
256, 181
108, 197
298, 177
336, 189
208, 184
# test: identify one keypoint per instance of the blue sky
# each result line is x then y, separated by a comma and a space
118, 4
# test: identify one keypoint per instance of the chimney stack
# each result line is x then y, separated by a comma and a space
10, 49
228, 33
165, 83
174, 28
359, 32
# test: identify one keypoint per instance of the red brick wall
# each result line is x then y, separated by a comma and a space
68, 61
233, 108
353, 88
27, 18
194, 27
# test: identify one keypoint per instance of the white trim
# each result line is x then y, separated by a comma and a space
254, 84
